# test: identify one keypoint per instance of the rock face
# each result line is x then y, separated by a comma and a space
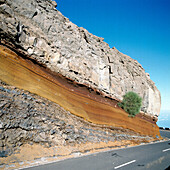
28, 118
79, 99
39, 31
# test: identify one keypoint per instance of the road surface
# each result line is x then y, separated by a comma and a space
154, 156
165, 133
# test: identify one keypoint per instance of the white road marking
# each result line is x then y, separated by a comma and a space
165, 130
166, 150
124, 164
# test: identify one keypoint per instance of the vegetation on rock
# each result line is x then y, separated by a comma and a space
131, 103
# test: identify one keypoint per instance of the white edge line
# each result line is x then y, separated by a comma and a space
124, 164
164, 130
166, 150
88, 154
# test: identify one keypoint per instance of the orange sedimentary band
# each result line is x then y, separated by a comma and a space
78, 99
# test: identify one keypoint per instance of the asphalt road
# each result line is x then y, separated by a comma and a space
165, 133
154, 156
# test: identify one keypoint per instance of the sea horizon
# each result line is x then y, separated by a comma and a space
164, 119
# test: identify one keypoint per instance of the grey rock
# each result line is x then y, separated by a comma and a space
1, 143
54, 3
62, 123
69, 139
5, 9
37, 29
69, 131
2, 89
77, 136
2, 1
91, 134
20, 144
21, 125
2, 104
52, 131
2, 136
80, 131
51, 39
3, 153
40, 138
26, 124
1, 125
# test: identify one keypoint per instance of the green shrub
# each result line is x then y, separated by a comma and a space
131, 103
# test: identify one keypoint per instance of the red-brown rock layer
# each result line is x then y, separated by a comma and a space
78, 99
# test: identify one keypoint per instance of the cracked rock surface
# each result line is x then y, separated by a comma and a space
26, 118
39, 31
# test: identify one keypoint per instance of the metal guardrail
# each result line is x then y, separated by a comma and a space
164, 128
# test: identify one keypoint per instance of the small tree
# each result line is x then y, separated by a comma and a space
131, 103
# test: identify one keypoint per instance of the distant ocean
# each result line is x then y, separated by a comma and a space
164, 119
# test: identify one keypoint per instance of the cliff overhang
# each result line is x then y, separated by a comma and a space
48, 55
79, 99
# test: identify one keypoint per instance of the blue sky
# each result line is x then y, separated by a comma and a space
138, 28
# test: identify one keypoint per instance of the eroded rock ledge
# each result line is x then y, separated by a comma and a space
77, 98
48, 55
43, 52
38, 30
34, 130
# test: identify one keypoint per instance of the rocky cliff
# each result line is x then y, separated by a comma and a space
32, 127
79, 99
37, 30
42, 52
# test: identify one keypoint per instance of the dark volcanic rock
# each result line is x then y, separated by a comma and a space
28, 118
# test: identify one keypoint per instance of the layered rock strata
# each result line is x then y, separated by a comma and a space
27, 118
34, 130
39, 31
76, 98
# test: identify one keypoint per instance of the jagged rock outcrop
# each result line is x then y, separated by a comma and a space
77, 98
37, 30
28, 118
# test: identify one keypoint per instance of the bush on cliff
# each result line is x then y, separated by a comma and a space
131, 103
